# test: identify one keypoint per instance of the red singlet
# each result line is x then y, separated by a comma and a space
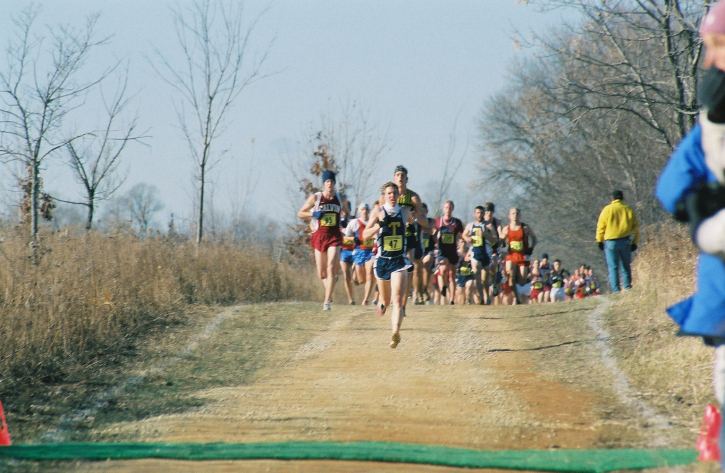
327, 229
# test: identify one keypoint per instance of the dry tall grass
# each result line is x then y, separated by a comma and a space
672, 373
90, 293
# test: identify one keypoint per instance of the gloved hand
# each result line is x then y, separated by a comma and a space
318, 215
357, 241
704, 202
386, 221
601, 245
632, 247
529, 251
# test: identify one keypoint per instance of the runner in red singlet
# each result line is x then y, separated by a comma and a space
521, 241
363, 254
325, 208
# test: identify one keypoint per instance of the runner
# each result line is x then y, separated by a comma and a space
580, 283
325, 208
477, 233
411, 201
521, 241
346, 261
362, 256
593, 282
391, 265
545, 270
428, 242
448, 233
496, 285
557, 283
464, 274
494, 224
537, 283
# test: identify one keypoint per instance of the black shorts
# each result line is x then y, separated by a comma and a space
384, 267
412, 243
482, 257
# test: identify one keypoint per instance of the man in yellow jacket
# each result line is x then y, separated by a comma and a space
618, 235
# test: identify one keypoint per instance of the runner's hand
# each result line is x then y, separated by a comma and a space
386, 221
529, 251
632, 247
601, 245
703, 203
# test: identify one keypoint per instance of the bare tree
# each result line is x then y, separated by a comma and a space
215, 43
600, 106
95, 158
39, 86
452, 166
359, 143
142, 203
640, 57
352, 143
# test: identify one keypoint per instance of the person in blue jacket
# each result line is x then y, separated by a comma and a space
691, 187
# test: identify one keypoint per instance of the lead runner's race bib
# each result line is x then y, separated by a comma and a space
516, 245
477, 240
448, 238
465, 271
393, 243
328, 220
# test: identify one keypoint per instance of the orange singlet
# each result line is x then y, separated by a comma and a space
518, 245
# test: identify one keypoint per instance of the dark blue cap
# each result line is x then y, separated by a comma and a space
328, 175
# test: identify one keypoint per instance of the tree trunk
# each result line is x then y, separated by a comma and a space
200, 223
89, 223
34, 202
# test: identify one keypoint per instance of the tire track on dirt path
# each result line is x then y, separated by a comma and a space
621, 382
59, 434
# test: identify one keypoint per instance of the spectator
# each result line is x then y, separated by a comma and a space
618, 235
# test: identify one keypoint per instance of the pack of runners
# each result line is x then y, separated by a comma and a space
426, 260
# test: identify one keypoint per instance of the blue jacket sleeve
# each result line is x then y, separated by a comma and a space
684, 171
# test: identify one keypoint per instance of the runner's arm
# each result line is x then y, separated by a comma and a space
352, 227
348, 234
373, 225
418, 207
306, 209
467, 232
488, 234
532, 238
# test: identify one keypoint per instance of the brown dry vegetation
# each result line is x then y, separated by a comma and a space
673, 374
91, 298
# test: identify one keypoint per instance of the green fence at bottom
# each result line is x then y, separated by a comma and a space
541, 460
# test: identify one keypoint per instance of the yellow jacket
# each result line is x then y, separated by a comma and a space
617, 220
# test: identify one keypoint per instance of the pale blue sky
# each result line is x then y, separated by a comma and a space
416, 64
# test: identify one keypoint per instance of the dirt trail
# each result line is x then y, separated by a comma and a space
472, 377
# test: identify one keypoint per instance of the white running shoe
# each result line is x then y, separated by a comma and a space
326, 305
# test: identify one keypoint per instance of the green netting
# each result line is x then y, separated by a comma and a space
543, 460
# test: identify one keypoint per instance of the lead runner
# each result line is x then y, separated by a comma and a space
387, 223
410, 200
325, 208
